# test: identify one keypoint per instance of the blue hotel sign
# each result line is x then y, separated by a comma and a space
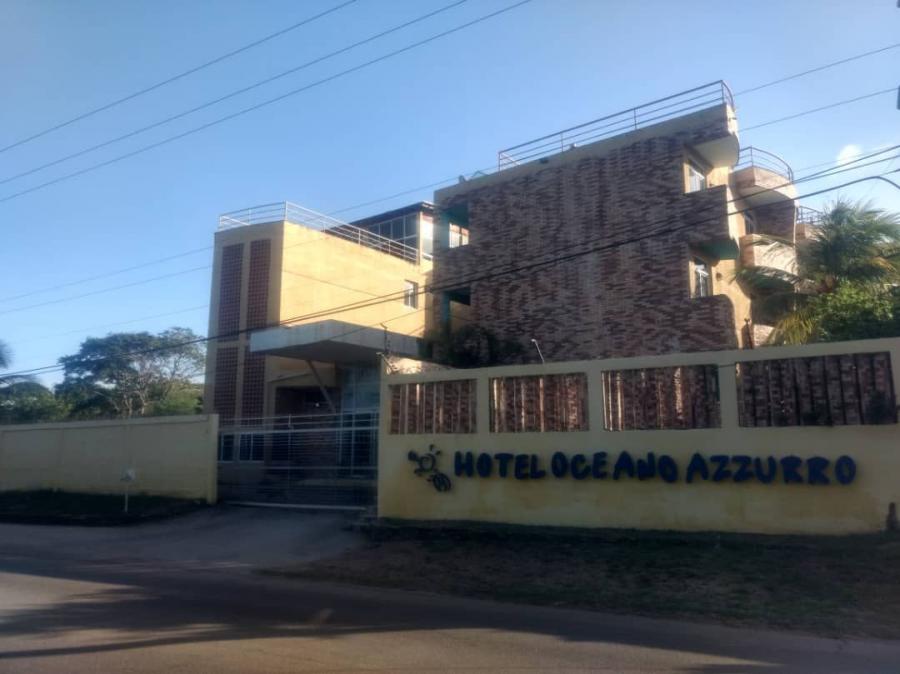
599, 465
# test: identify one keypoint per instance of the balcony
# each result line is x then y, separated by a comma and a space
286, 211
661, 110
757, 251
762, 178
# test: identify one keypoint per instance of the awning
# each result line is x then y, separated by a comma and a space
332, 342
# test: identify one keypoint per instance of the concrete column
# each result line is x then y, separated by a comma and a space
728, 402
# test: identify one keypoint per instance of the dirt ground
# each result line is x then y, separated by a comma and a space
848, 586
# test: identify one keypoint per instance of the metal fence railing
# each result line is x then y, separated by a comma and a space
753, 156
286, 211
323, 460
698, 98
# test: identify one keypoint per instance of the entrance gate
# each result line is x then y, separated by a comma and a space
318, 460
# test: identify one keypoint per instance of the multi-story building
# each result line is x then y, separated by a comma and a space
276, 269
643, 217
619, 237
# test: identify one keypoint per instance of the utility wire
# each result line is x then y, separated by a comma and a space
177, 77
817, 69
234, 93
113, 325
486, 169
824, 107
474, 279
817, 175
265, 103
97, 277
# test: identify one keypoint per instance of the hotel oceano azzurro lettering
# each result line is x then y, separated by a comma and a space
600, 465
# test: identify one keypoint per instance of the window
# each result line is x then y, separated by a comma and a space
226, 448
696, 177
251, 447
411, 294
427, 237
702, 281
459, 236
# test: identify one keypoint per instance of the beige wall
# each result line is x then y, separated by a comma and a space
171, 456
320, 272
313, 272
751, 506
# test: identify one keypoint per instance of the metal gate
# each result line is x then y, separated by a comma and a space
320, 460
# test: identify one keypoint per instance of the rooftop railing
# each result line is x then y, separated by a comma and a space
753, 156
647, 114
285, 211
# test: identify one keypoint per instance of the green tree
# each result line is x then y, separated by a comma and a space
27, 402
132, 374
855, 249
472, 346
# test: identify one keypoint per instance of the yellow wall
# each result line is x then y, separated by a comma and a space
321, 271
171, 456
861, 506
313, 272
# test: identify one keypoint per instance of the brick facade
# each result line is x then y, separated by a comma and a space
225, 388
258, 284
253, 386
627, 300
230, 289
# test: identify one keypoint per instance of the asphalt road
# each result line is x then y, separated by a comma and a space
181, 597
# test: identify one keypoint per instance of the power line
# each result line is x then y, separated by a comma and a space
265, 103
232, 94
487, 276
824, 107
97, 277
817, 175
105, 290
177, 77
817, 69
448, 180
116, 324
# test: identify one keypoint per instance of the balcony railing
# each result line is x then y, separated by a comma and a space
706, 96
287, 212
808, 216
753, 156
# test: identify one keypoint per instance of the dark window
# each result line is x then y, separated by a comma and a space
226, 448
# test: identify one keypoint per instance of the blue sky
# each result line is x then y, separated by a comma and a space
433, 113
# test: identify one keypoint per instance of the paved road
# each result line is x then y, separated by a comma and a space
181, 597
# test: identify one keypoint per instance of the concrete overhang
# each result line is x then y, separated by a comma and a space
332, 342
761, 187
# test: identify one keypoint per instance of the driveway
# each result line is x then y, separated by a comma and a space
179, 596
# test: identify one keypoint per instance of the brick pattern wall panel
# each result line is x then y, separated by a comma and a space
843, 390
230, 288
253, 389
539, 403
433, 407
665, 398
628, 300
225, 387
258, 284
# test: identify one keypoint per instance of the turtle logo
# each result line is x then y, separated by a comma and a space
426, 466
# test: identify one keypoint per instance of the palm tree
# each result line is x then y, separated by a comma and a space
5, 362
853, 244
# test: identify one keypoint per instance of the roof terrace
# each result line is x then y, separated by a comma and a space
618, 123
285, 211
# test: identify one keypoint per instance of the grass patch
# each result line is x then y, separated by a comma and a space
848, 586
61, 507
